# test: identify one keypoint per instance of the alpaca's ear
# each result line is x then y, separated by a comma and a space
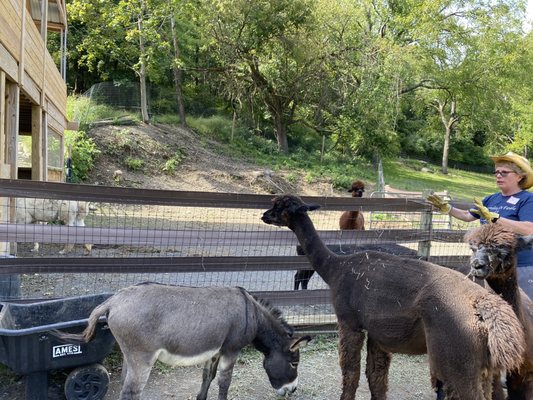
525, 242
311, 207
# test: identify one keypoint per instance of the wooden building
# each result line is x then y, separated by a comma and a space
33, 93
33, 101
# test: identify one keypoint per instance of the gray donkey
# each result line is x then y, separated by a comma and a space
188, 326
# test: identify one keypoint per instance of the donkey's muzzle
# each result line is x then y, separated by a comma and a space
287, 388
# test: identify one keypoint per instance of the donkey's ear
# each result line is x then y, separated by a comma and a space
524, 242
299, 342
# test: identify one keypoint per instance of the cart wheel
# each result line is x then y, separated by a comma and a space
87, 383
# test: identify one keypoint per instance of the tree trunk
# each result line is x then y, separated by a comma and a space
178, 72
281, 134
449, 124
276, 105
446, 149
142, 74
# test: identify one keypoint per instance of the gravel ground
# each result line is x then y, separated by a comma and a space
319, 379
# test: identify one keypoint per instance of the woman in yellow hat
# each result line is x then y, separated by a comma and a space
512, 207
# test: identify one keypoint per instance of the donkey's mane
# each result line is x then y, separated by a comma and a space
269, 309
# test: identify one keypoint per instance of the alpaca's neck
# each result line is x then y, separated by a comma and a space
315, 249
507, 287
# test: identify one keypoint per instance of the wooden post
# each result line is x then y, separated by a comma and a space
12, 127
22, 45
9, 283
44, 146
426, 224
37, 170
2, 117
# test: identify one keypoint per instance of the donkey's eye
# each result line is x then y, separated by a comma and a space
293, 365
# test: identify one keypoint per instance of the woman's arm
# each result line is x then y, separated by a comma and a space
463, 215
520, 227
446, 208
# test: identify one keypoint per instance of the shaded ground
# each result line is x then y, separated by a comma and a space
319, 379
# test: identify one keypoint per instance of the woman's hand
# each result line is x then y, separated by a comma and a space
484, 212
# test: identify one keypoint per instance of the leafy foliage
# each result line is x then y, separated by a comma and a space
83, 153
371, 78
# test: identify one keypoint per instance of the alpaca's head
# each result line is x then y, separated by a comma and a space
357, 189
493, 250
284, 208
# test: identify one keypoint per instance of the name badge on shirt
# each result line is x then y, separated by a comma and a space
513, 200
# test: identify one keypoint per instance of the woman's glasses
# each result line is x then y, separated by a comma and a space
503, 173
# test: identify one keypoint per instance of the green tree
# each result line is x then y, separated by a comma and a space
126, 32
464, 73
265, 48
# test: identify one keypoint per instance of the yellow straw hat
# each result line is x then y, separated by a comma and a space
522, 163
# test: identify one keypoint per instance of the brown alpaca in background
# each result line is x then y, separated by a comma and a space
349, 220
354, 220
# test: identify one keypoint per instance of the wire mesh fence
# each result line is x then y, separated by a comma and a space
95, 239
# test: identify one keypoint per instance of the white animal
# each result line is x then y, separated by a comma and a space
67, 212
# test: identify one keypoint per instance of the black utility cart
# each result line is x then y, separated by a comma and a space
28, 347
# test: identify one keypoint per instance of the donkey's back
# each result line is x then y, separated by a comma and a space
191, 323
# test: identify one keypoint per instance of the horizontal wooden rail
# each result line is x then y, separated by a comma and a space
174, 264
27, 233
67, 191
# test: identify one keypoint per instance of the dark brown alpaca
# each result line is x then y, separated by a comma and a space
408, 306
354, 220
494, 259
349, 220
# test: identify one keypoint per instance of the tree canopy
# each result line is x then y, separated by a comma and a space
446, 79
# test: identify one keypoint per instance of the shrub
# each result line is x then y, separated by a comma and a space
86, 111
134, 164
169, 167
83, 154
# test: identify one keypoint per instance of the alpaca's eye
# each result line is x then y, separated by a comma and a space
294, 365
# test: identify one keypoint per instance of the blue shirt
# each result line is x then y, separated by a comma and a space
518, 207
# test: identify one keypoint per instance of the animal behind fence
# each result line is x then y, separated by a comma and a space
66, 212
349, 220
494, 259
353, 220
408, 306
189, 326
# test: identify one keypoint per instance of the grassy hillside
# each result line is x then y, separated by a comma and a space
305, 163
415, 176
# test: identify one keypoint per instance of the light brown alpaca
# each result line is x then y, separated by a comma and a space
408, 306
354, 220
494, 259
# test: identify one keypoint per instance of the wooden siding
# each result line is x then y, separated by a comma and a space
40, 71
26, 62
10, 26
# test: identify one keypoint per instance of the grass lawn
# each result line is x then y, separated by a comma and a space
462, 185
